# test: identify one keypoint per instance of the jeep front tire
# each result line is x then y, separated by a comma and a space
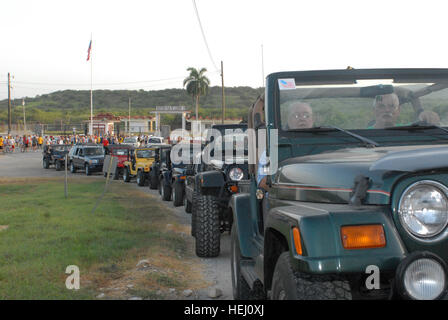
87, 170
117, 174
165, 191
207, 227
194, 205
72, 168
178, 194
126, 175
140, 178
153, 183
288, 284
45, 163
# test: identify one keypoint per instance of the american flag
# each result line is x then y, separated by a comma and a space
88, 50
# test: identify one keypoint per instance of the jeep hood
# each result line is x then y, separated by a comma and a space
330, 177
60, 152
97, 157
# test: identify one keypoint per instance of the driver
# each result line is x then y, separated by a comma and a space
387, 110
300, 116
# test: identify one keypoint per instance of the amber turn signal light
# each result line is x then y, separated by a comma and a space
297, 240
234, 189
363, 237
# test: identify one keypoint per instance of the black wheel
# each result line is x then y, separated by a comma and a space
178, 194
45, 163
140, 178
58, 165
87, 170
207, 229
117, 174
105, 174
241, 290
188, 205
288, 284
153, 181
194, 205
165, 191
72, 168
126, 175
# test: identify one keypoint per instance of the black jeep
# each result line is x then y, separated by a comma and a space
88, 157
54, 154
158, 166
211, 184
173, 172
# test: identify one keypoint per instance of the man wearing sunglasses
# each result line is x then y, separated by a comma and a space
300, 116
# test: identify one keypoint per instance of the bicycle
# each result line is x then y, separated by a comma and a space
8, 148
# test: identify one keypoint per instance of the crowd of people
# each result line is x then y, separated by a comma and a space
35, 143
24, 143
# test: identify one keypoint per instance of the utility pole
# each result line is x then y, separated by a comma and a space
24, 118
9, 104
223, 96
129, 118
262, 66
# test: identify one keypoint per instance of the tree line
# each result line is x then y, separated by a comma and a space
74, 105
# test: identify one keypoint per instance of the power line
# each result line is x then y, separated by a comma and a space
127, 85
203, 35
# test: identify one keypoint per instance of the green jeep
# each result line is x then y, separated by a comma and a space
348, 189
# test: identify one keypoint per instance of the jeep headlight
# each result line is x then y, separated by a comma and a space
236, 174
422, 276
423, 209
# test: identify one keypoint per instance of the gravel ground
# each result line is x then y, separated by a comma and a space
29, 164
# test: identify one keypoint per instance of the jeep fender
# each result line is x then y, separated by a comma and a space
243, 220
210, 179
320, 226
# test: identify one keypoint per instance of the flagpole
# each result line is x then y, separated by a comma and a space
91, 89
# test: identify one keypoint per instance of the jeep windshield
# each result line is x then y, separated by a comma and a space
130, 140
368, 105
120, 152
232, 142
145, 153
93, 151
61, 148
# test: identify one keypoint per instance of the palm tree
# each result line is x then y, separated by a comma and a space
196, 85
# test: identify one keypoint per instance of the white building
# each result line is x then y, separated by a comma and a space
138, 124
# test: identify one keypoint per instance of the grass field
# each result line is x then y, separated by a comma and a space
41, 233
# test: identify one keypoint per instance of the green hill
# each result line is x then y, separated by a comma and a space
74, 105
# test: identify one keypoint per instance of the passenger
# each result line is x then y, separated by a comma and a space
387, 110
429, 117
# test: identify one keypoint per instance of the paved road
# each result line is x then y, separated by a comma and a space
29, 164
23, 165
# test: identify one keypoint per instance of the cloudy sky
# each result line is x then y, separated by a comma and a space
149, 44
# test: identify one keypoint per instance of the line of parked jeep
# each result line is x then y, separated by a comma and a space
180, 182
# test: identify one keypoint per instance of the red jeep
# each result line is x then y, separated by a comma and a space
121, 152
